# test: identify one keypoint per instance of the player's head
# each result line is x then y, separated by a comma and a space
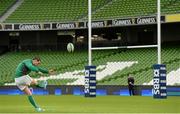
36, 61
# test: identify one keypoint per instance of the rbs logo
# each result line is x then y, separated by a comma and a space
156, 81
86, 88
159, 81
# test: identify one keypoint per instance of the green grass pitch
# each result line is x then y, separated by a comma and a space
69, 104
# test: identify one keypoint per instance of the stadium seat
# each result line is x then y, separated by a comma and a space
75, 10
113, 66
5, 4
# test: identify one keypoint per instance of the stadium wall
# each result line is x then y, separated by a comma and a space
57, 39
170, 32
37, 40
100, 91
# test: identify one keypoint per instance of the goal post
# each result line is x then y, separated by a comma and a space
90, 70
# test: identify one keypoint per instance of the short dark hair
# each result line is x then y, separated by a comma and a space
37, 58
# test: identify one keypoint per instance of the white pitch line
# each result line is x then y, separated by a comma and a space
84, 113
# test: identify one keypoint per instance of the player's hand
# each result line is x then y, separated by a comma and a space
40, 73
52, 72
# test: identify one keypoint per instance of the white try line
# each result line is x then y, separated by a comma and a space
122, 47
84, 113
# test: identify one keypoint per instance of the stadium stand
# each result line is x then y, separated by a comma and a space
171, 6
135, 8
124, 8
48, 11
113, 66
143, 70
4, 5
32, 11
173, 78
137, 62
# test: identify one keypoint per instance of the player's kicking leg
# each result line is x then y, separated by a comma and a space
31, 99
23, 83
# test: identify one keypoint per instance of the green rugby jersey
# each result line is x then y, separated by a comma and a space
26, 66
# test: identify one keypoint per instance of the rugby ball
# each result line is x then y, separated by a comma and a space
70, 47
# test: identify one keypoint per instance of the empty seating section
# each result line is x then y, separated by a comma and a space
96, 4
137, 62
171, 6
145, 57
134, 8
142, 71
126, 8
5, 4
172, 78
61, 61
48, 11
32, 11
52, 10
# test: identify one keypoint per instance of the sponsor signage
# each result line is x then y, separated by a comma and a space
122, 22
90, 81
63, 25
27, 27
146, 20
159, 81
96, 24
173, 18
134, 21
76, 25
